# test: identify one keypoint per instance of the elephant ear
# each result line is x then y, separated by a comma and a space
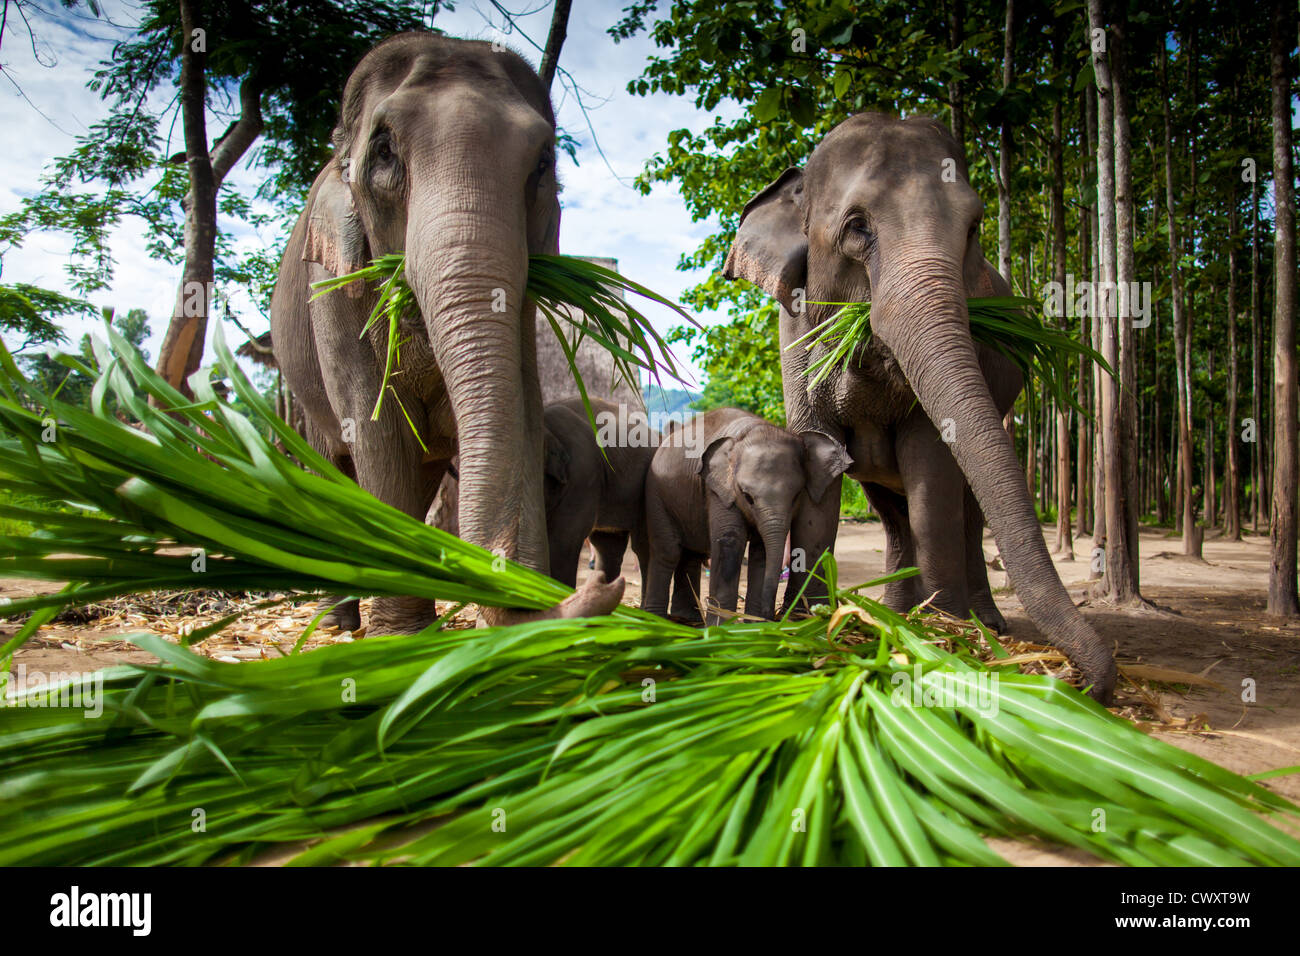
825, 459
557, 459
771, 248
335, 236
715, 464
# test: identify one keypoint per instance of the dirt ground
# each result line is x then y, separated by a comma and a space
1210, 620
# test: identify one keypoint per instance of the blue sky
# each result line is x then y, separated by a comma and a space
602, 214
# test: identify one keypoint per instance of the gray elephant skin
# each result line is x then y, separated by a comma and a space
444, 150
590, 494
883, 211
722, 481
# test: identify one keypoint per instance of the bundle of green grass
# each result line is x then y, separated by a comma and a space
856, 736
1013, 325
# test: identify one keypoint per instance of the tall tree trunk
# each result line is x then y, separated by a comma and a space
182, 348
1094, 304
1256, 358
1004, 150
1114, 578
1191, 541
1064, 529
1122, 581
1283, 598
956, 95
555, 41
1083, 518
1208, 485
1232, 489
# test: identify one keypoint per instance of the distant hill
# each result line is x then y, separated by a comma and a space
667, 401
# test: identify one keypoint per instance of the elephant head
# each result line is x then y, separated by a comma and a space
883, 211
763, 471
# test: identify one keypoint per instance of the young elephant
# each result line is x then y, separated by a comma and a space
725, 479
592, 496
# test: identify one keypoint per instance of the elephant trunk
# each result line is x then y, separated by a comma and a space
773, 531
467, 263
919, 312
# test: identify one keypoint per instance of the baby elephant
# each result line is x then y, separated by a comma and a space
725, 479
589, 495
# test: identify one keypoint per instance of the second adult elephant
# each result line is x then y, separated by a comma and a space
883, 212
444, 151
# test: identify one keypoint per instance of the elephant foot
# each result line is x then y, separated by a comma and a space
690, 620
401, 615
344, 615
595, 598
990, 616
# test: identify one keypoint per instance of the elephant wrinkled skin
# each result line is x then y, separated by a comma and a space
724, 480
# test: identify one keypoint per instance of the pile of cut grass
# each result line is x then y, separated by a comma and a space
855, 736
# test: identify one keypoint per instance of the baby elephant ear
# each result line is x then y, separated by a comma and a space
825, 459
335, 236
770, 248
714, 464
557, 459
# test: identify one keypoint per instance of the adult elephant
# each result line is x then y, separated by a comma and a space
444, 149
884, 211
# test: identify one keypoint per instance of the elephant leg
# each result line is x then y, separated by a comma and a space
641, 548
686, 590
410, 487
935, 492
727, 529
665, 552
754, 578
610, 547
977, 571
900, 549
343, 613
565, 555
812, 533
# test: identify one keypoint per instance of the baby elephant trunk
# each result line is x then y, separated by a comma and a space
773, 529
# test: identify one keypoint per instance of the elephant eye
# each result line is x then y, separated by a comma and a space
748, 497
382, 148
858, 238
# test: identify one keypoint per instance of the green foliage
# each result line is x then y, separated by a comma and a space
742, 362
852, 738
567, 291
30, 312
293, 54
1011, 324
853, 501
54, 377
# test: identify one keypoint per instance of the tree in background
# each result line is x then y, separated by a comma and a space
71, 386
1282, 592
277, 68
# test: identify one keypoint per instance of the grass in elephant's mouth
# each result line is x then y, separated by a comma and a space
568, 291
1011, 324
854, 736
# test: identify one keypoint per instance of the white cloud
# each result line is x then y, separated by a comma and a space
602, 215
